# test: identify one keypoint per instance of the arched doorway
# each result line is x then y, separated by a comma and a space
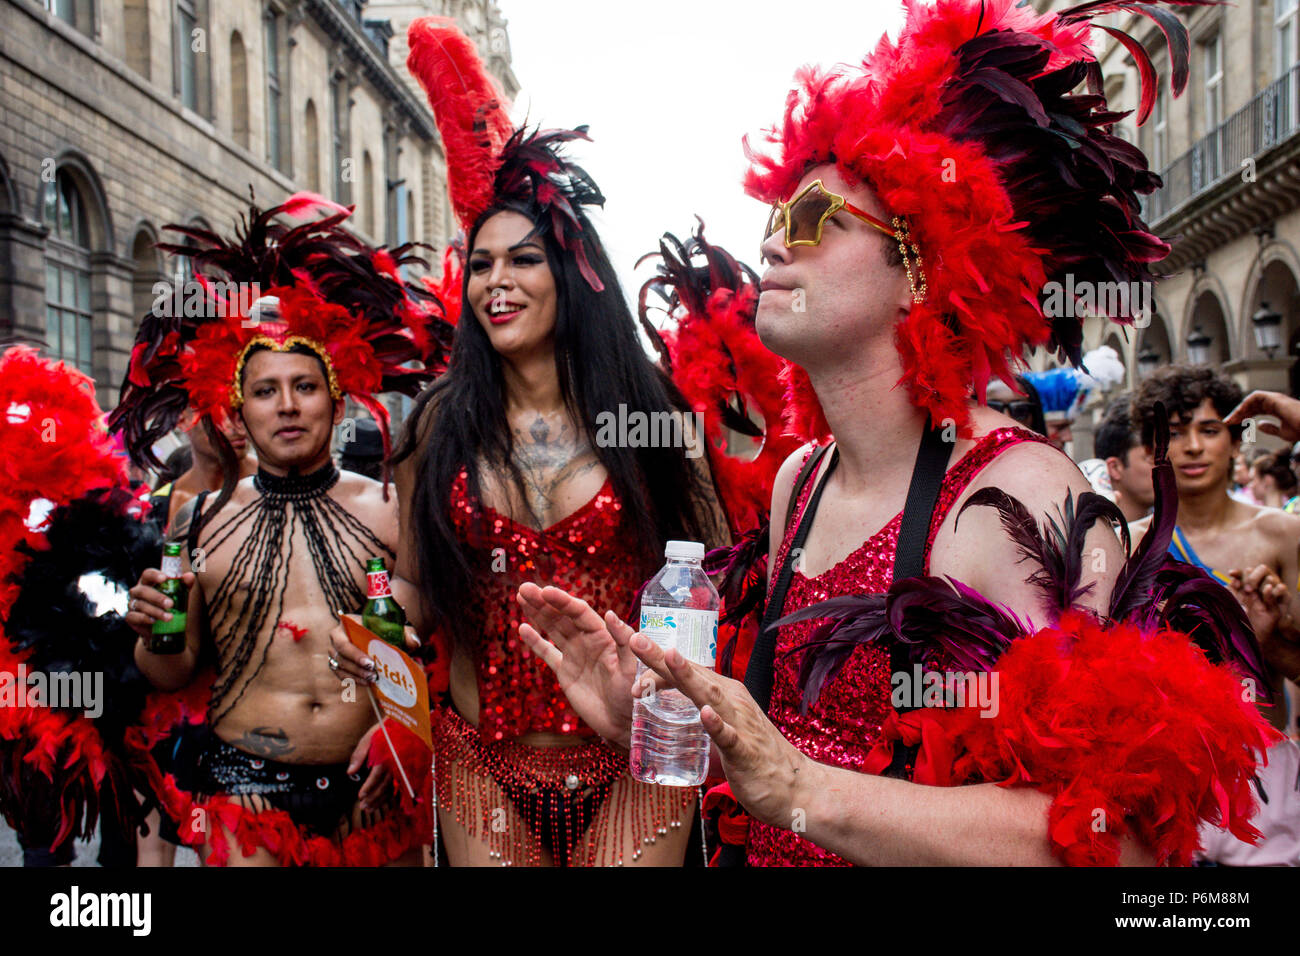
1206, 340
1277, 292
146, 272
1154, 348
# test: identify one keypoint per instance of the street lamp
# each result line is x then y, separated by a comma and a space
1148, 361
1268, 329
1198, 347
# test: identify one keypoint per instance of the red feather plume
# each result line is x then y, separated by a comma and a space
468, 107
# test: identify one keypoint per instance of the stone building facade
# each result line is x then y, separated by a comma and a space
1227, 151
120, 116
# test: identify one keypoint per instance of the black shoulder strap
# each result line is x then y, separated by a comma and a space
909, 561
909, 558
759, 672
192, 535
927, 477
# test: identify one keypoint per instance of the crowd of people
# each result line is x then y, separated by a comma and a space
1141, 640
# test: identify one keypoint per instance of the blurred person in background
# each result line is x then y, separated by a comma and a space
363, 453
1272, 482
1027, 409
1128, 462
1239, 488
1250, 550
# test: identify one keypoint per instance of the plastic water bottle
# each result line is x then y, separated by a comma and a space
679, 608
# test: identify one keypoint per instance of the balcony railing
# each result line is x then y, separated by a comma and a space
1272, 116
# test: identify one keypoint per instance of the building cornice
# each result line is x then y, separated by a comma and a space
346, 32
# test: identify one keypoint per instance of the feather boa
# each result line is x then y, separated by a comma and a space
60, 771
1067, 724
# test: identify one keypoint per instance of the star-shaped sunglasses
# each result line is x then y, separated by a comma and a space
804, 217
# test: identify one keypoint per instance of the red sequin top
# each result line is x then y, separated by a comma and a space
589, 554
843, 725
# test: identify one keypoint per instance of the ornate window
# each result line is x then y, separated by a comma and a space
67, 274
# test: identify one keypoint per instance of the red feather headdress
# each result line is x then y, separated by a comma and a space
968, 129
714, 356
488, 161
343, 299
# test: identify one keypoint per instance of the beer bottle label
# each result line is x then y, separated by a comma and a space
377, 585
171, 565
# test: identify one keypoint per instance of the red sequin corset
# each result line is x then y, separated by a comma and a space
843, 725
589, 554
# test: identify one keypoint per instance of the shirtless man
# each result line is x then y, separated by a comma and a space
275, 700
1250, 550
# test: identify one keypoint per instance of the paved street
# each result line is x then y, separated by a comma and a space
12, 855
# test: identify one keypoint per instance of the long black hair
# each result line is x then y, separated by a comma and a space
600, 365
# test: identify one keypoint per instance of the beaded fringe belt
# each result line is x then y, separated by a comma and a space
513, 796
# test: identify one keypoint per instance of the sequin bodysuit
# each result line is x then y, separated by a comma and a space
590, 553
844, 723
558, 801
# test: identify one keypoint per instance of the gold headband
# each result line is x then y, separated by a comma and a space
237, 389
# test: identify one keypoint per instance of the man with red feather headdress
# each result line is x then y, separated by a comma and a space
922, 202
276, 764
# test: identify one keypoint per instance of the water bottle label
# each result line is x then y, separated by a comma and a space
693, 632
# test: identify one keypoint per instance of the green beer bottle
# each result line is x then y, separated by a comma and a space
382, 615
168, 637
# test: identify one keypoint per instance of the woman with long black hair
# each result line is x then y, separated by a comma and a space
507, 472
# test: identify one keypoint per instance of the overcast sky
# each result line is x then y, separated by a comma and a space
668, 88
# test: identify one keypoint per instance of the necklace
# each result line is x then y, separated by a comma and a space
296, 487
264, 532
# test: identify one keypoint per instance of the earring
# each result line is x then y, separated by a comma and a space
904, 240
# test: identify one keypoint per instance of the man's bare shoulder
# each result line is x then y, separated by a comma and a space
1273, 522
1036, 473
361, 492
179, 527
364, 497
977, 550
790, 467
783, 484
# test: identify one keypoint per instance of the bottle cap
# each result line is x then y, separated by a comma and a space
684, 551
